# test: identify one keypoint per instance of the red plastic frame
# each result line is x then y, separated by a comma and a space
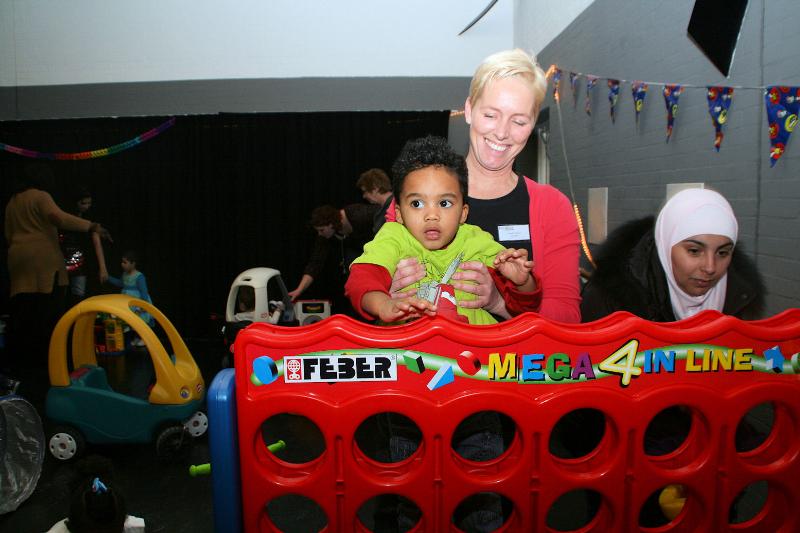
437, 480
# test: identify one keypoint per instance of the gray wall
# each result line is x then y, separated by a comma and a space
646, 40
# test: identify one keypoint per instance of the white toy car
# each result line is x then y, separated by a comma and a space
259, 295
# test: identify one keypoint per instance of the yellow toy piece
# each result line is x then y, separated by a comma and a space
115, 337
671, 500
176, 383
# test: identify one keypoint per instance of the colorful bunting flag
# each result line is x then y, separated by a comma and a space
639, 91
719, 100
573, 82
591, 81
782, 106
613, 97
671, 95
556, 83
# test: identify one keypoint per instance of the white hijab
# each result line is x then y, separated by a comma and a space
693, 212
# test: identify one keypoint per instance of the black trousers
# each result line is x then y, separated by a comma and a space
32, 317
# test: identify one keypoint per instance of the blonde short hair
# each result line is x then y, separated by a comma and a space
507, 64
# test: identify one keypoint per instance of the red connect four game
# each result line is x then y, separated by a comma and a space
528, 425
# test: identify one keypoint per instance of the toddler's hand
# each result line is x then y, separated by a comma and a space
395, 309
513, 263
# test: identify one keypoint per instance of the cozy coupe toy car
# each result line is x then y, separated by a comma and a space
86, 409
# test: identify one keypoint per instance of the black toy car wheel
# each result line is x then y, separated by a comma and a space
173, 442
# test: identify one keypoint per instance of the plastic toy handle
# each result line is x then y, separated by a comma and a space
276, 446
200, 470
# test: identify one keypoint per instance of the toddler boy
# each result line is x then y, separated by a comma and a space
430, 187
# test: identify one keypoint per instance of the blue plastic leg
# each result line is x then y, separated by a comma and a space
224, 447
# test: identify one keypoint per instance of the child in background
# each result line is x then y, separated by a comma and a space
430, 187
133, 283
76, 249
96, 505
246, 305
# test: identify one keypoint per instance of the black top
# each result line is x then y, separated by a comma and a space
504, 214
343, 249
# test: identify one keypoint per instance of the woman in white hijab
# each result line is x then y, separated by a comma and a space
695, 236
687, 262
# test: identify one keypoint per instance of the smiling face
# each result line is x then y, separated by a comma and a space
501, 120
432, 206
700, 261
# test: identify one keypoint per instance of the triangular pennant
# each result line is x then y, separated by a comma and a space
591, 81
556, 83
671, 95
613, 97
639, 91
573, 82
719, 100
782, 106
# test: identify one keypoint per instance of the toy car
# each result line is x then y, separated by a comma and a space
85, 408
254, 296
258, 295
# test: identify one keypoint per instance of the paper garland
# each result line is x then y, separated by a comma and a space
719, 101
782, 106
91, 154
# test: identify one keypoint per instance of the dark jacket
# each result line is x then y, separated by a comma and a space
629, 277
344, 249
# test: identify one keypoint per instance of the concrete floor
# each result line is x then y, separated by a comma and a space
164, 495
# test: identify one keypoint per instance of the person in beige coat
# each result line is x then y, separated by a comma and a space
36, 269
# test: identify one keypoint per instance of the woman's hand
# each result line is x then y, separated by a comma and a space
103, 275
408, 272
305, 282
486, 294
96, 227
295, 293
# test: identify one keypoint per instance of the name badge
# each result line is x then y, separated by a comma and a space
514, 232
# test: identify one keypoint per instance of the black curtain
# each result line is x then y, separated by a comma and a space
214, 194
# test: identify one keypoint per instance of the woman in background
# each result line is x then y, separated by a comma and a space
37, 273
686, 262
